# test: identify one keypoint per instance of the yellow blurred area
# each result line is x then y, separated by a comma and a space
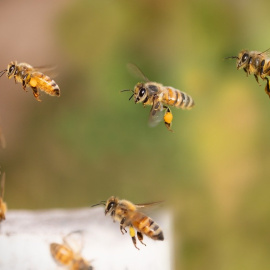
92, 142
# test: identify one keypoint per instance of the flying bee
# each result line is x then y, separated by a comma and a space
159, 97
3, 205
32, 77
256, 63
65, 254
128, 215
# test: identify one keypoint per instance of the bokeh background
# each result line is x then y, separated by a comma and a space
91, 143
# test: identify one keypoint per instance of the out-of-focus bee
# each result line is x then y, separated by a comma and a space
3, 205
65, 255
256, 63
32, 77
159, 97
128, 215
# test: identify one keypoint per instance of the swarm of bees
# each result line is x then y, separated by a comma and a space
159, 97
256, 63
65, 255
127, 214
3, 205
32, 77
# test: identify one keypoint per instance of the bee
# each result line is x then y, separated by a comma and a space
256, 63
3, 205
159, 97
128, 215
64, 254
32, 77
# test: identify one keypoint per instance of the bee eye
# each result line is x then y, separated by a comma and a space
244, 57
11, 69
111, 204
142, 92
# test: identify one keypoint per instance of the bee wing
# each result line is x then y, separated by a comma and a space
146, 205
49, 70
135, 71
3, 179
156, 114
74, 240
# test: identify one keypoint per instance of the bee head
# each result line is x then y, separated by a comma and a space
11, 69
111, 205
140, 93
243, 59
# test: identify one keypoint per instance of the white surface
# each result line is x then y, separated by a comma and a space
26, 235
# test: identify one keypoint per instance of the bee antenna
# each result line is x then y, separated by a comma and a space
3, 72
232, 57
100, 203
125, 90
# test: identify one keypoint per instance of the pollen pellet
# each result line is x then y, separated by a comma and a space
33, 82
168, 117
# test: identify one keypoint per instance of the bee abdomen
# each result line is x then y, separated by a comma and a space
46, 84
147, 226
177, 98
61, 253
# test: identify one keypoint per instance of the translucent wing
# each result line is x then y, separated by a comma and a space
135, 71
156, 114
74, 240
266, 52
3, 179
146, 205
49, 70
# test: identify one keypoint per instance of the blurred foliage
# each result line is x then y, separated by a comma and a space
93, 143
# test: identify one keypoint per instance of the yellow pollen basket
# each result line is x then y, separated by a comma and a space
33, 82
168, 117
131, 231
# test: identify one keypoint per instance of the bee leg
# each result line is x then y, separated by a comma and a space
132, 234
140, 237
257, 79
168, 117
122, 227
24, 85
267, 88
35, 93
246, 71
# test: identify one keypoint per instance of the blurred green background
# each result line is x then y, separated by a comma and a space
91, 143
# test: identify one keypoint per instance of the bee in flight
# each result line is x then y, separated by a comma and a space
3, 205
128, 215
65, 254
159, 97
32, 77
256, 63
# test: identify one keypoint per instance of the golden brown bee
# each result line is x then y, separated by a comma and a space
3, 205
32, 77
256, 63
65, 255
159, 97
128, 215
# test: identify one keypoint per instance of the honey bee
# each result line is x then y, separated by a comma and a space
127, 214
159, 97
65, 255
32, 77
256, 63
3, 205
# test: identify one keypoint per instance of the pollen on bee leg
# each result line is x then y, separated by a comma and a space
168, 117
33, 82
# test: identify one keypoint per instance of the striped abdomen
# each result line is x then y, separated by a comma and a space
147, 226
177, 98
45, 83
61, 253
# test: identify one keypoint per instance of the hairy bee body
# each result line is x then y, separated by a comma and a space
64, 255
159, 97
127, 214
30, 76
256, 63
